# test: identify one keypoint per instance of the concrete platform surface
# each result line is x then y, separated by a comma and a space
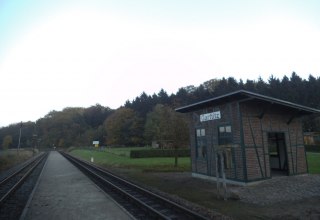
63, 192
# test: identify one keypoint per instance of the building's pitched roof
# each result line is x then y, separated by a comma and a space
244, 95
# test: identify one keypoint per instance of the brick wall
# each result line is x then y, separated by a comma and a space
251, 122
272, 119
229, 116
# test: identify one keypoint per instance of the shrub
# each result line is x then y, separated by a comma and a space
312, 148
144, 153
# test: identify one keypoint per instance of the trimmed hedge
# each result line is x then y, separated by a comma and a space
159, 153
312, 148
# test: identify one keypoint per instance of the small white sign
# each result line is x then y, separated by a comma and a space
95, 142
210, 116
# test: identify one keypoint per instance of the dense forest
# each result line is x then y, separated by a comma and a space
150, 118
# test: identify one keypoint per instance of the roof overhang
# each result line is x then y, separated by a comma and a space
242, 96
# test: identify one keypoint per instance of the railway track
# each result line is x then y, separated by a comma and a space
16, 187
139, 202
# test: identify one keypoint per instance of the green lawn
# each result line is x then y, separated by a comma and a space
119, 157
313, 162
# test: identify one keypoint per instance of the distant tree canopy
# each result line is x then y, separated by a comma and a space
151, 117
7, 142
163, 124
122, 126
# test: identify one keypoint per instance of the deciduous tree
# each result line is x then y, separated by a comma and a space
7, 142
120, 127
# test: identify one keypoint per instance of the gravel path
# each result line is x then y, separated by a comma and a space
280, 189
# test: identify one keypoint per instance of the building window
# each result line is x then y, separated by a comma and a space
201, 148
225, 135
273, 147
227, 159
225, 138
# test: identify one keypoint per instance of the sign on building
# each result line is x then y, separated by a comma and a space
210, 116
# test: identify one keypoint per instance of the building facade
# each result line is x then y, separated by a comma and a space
257, 136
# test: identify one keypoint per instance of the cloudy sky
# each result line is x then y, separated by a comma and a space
65, 53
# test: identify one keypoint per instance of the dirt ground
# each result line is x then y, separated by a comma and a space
295, 197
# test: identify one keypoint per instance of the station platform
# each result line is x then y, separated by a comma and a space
63, 192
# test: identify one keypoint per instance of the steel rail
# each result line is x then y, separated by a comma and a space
25, 165
17, 184
165, 202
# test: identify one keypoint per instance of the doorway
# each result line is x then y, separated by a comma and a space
278, 154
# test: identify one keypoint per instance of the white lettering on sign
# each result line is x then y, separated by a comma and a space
210, 116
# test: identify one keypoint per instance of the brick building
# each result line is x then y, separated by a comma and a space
259, 137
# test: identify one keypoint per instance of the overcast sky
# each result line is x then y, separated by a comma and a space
64, 53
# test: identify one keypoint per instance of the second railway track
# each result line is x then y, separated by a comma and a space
140, 202
16, 188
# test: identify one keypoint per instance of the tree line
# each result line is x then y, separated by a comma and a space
150, 118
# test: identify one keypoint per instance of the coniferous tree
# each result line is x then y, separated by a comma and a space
79, 126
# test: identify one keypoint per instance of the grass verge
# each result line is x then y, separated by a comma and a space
120, 158
313, 162
9, 158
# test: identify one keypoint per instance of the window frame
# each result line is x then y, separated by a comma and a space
201, 143
225, 135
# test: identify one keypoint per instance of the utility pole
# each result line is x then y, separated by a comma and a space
35, 138
34, 143
19, 137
